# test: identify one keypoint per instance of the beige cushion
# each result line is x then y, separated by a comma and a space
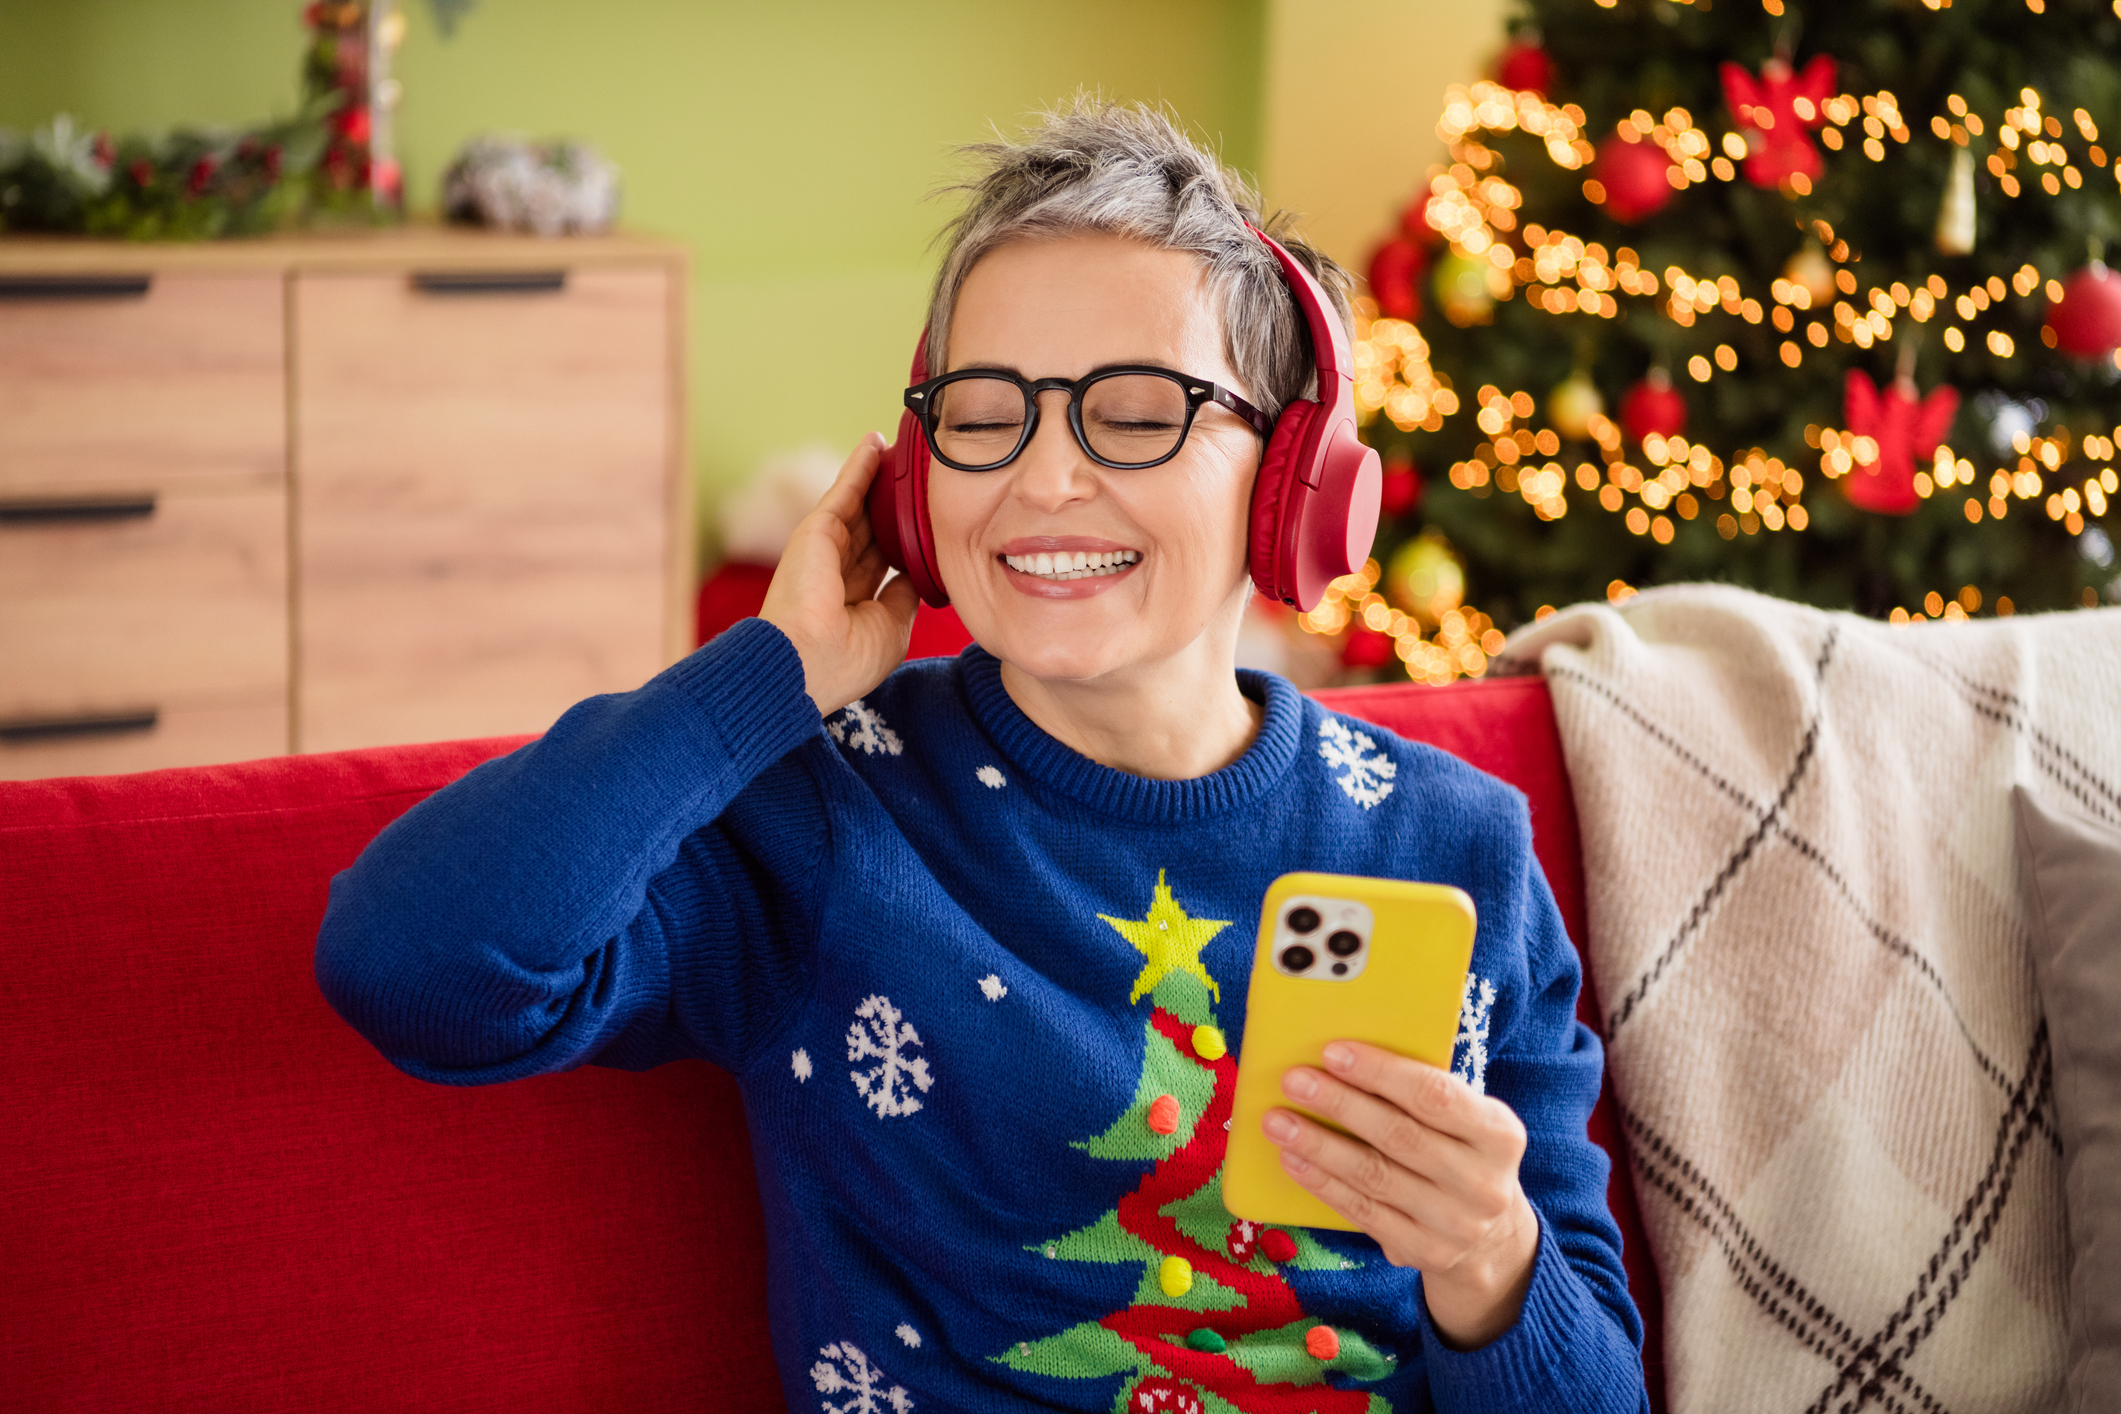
2073, 885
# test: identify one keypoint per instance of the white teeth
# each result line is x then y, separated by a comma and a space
1077, 564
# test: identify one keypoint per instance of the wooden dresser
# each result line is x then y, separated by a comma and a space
312, 493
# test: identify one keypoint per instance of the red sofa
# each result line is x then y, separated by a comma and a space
218, 1196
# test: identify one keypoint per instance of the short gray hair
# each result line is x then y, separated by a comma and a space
1128, 170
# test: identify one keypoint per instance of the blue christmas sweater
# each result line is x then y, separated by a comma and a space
954, 964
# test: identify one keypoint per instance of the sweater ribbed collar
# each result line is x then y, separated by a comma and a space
1118, 794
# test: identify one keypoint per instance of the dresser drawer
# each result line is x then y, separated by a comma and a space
117, 613
143, 382
482, 483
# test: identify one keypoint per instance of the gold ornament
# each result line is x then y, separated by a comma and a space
1425, 578
1464, 289
1812, 272
1955, 216
1572, 405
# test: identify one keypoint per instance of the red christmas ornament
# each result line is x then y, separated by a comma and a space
1278, 1245
1525, 66
1775, 126
1395, 278
1403, 488
2087, 319
1365, 648
1653, 405
1633, 175
1162, 1396
1906, 429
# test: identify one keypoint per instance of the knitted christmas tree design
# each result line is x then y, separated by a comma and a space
1213, 1327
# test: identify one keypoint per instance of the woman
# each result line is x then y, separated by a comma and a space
1014, 893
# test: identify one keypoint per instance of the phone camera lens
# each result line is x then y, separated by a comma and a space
1303, 920
1344, 944
1340, 969
1297, 959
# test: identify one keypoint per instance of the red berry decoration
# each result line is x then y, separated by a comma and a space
1278, 1245
1395, 278
2087, 319
1775, 126
1322, 1342
1905, 428
1163, 1114
1653, 405
1161, 1396
1525, 66
1633, 175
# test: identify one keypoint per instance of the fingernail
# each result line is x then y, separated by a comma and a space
1294, 1162
1339, 1057
1300, 1083
1280, 1128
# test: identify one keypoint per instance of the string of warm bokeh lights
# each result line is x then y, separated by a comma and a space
1460, 645
1473, 206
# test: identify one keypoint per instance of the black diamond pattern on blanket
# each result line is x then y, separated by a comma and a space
1821, 1024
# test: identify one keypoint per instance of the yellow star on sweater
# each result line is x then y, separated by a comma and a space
1169, 939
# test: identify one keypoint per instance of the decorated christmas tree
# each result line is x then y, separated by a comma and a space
1214, 1325
1806, 300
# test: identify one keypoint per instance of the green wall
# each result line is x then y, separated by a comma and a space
789, 145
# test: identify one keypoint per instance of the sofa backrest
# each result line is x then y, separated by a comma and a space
219, 1195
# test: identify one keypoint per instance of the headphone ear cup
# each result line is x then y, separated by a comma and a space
1336, 522
898, 511
1271, 490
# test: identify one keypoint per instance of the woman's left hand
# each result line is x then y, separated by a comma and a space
1430, 1173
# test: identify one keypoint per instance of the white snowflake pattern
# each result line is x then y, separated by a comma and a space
1369, 778
800, 1064
908, 1334
992, 985
990, 777
859, 727
881, 1033
846, 1370
1469, 1049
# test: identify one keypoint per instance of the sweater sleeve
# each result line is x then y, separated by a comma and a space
1577, 1344
583, 898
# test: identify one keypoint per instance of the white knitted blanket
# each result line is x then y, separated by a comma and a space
1819, 1008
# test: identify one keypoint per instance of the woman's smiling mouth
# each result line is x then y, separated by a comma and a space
1077, 564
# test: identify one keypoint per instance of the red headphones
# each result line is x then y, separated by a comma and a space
1314, 504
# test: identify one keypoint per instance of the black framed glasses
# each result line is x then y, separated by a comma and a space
1128, 417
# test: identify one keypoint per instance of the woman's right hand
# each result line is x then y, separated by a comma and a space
824, 595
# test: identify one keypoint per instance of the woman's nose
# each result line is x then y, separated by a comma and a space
1053, 471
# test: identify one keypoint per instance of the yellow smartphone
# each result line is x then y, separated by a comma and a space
1340, 957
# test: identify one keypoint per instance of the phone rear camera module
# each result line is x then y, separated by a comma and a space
1297, 959
1303, 920
1344, 943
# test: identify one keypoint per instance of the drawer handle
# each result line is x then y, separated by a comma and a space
22, 730
489, 282
74, 287
75, 510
